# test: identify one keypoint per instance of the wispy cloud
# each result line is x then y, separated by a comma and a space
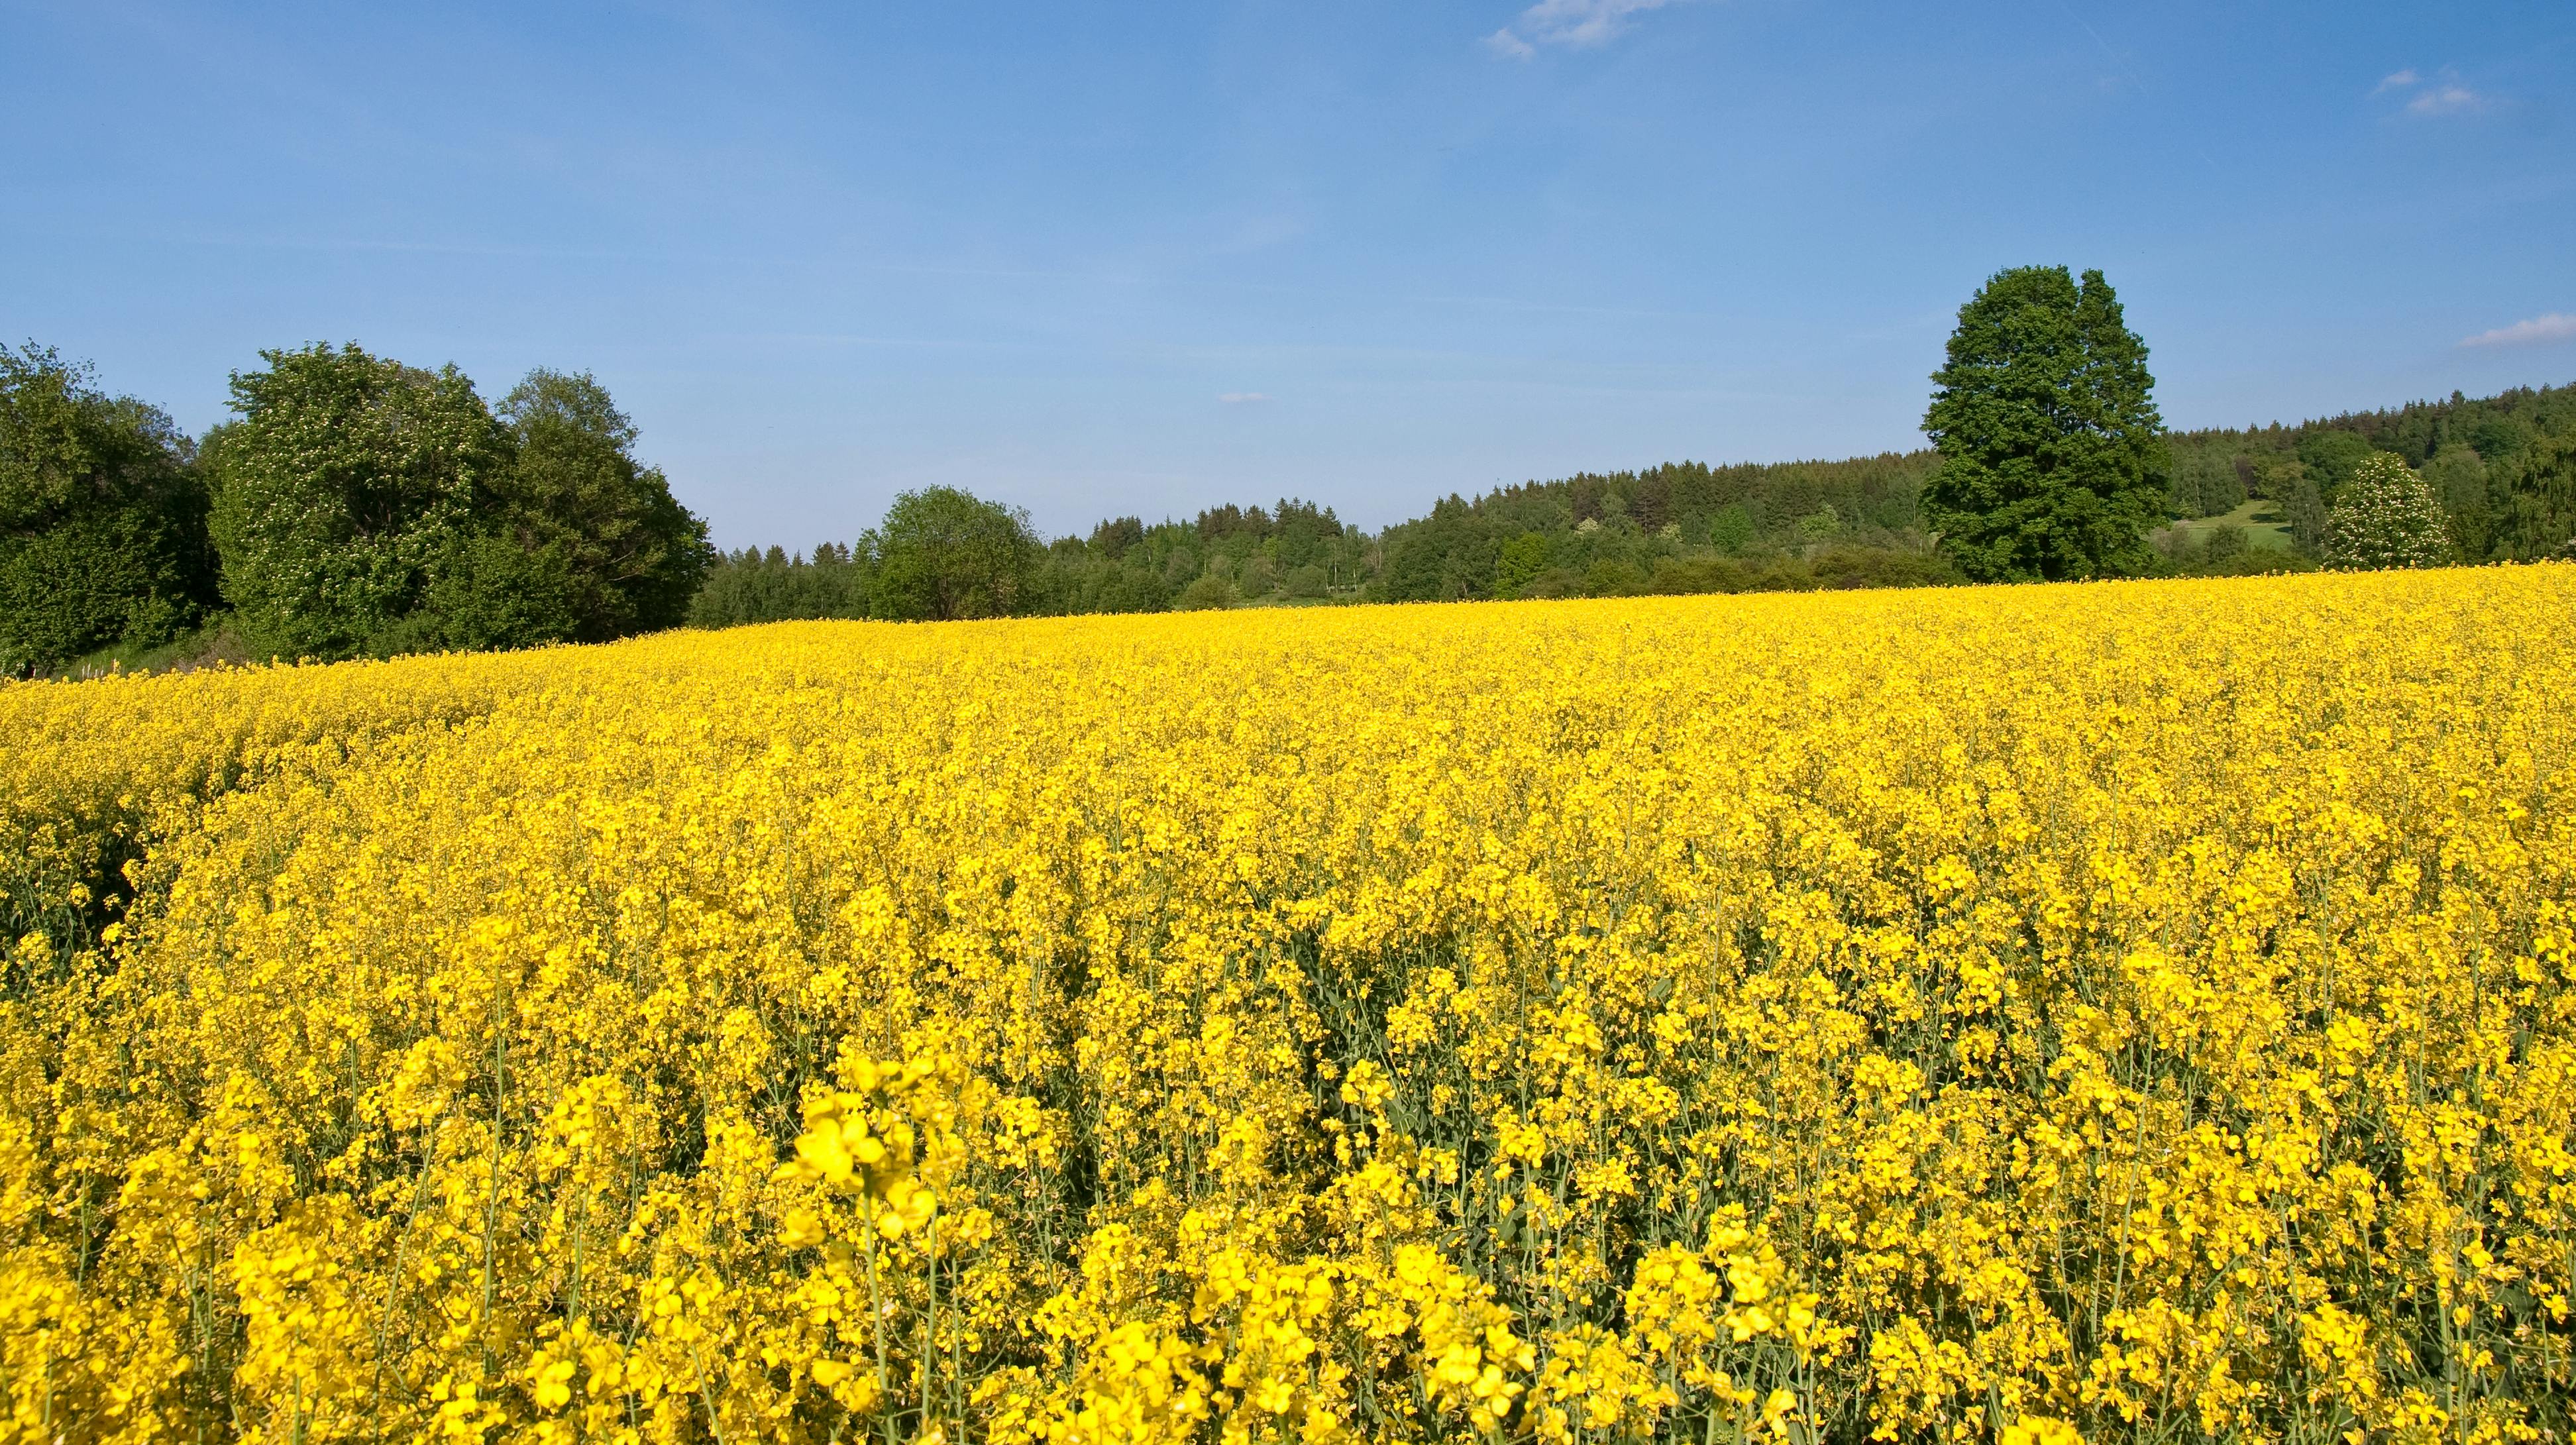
1241, 398
2556, 326
2444, 100
2441, 95
1574, 23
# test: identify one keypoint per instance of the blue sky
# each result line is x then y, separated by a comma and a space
1099, 259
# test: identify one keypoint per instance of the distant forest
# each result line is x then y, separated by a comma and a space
2238, 501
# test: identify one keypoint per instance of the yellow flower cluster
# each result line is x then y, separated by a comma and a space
2026, 1015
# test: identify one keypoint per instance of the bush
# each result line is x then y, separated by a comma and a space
1207, 593
365, 506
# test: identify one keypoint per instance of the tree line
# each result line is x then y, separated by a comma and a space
2049, 461
352, 506
355, 506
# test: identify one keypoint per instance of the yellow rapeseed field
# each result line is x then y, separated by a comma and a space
2128, 1011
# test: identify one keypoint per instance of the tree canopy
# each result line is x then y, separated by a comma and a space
632, 555
102, 517
347, 484
943, 554
355, 505
365, 506
2052, 457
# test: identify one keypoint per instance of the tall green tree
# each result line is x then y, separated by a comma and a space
2332, 456
1444, 557
2542, 522
2387, 517
102, 517
2458, 477
2052, 452
632, 556
943, 554
348, 485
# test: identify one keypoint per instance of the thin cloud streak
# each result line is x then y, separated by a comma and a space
2442, 95
1577, 24
2538, 331
2445, 100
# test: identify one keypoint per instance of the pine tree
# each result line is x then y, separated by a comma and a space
2386, 517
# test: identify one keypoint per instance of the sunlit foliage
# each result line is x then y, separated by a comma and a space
2120, 1011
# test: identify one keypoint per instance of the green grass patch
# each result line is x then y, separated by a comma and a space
2261, 521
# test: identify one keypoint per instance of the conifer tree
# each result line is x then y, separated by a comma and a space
2052, 453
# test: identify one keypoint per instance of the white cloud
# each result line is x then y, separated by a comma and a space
2445, 99
1241, 398
2556, 326
1577, 23
2441, 95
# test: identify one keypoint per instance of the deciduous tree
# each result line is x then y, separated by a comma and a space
102, 517
942, 553
2387, 518
348, 483
632, 556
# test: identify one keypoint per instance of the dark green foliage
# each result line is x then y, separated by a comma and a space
2542, 522
2330, 455
2458, 477
1443, 558
2205, 482
1072, 582
494, 590
2225, 558
2052, 456
1208, 594
1293, 552
629, 555
753, 586
1602, 534
943, 554
1115, 538
371, 507
102, 518
1832, 569
2284, 481
2478, 454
